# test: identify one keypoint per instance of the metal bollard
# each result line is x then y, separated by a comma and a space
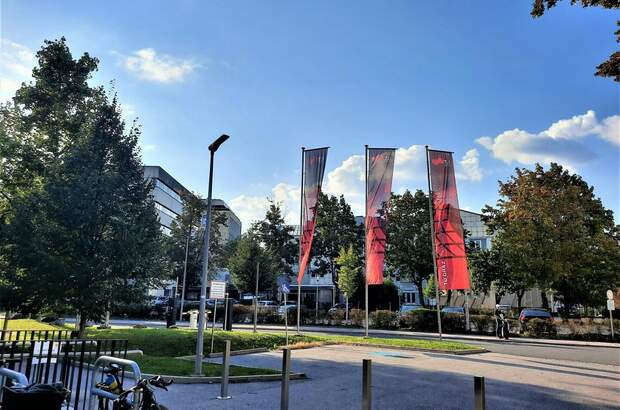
286, 372
366, 381
225, 371
479, 394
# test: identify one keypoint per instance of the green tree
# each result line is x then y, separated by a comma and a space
242, 264
554, 233
408, 250
86, 232
335, 229
277, 237
608, 68
349, 274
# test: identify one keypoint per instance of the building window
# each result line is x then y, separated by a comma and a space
166, 211
167, 190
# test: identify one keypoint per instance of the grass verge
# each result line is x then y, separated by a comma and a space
29, 324
176, 367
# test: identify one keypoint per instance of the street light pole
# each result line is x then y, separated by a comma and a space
205, 261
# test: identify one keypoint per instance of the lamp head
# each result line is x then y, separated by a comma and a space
216, 144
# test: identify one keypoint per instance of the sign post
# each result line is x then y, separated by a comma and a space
611, 306
285, 287
217, 291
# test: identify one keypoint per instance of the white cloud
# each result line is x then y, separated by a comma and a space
253, 208
469, 166
148, 65
16, 63
559, 143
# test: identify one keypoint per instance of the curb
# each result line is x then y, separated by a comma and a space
236, 352
418, 349
231, 379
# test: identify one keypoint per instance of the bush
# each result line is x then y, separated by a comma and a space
452, 323
484, 324
357, 317
540, 328
139, 311
421, 320
243, 314
383, 319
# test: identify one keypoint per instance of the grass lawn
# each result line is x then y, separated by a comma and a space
182, 342
177, 367
28, 324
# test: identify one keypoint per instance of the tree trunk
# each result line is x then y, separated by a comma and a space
418, 283
5, 324
545, 300
520, 294
346, 309
82, 328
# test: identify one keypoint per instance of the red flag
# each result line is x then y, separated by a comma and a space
313, 169
449, 242
378, 191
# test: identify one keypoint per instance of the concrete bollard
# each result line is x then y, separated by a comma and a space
225, 372
286, 372
366, 384
479, 393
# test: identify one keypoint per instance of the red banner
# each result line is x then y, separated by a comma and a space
449, 242
313, 169
380, 163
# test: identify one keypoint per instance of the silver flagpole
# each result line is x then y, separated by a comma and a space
366, 235
301, 234
431, 216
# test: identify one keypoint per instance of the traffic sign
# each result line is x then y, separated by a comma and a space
218, 290
284, 284
610, 294
286, 287
611, 305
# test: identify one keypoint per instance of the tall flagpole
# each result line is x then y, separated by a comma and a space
366, 234
432, 220
301, 235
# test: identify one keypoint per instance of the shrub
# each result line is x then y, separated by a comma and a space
421, 320
243, 314
336, 317
483, 323
383, 319
357, 317
540, 328
452, 323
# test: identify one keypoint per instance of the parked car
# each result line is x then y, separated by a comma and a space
408, 307
527, 314
459, 310
285, 308
211, 303
336, 307
267, 303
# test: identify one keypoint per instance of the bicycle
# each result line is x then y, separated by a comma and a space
145, 393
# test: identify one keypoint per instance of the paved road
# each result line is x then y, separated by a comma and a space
587, 354
408, 380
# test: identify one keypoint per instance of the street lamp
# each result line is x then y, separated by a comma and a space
205, 260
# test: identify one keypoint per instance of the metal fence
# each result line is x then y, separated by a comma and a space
10, 335
60, 360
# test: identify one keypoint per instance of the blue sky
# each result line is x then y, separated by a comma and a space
482, 79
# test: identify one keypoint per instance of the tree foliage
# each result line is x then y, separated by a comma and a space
554, 233
79, 227
335, 229
277, 237
350, 270
608, 68
242, 264
408, 250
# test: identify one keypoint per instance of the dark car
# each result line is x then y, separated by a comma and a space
453, 309
336, 307
527, 314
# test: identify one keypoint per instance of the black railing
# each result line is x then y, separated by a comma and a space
65, 360
36, 335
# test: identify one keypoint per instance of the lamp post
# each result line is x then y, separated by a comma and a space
205, 260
